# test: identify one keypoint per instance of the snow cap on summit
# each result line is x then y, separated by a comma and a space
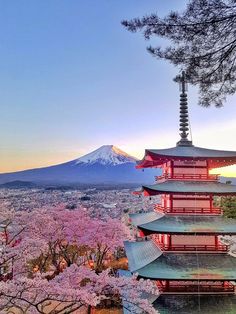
107, 155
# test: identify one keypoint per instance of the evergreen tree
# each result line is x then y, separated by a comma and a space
202, 42
228, 204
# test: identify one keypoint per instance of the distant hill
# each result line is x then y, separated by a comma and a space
228, 179
18, 184
106, 165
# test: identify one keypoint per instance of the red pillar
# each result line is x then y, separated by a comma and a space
171, 169
211, 202
171, 202
167, 285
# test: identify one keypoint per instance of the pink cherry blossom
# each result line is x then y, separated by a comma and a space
44, 257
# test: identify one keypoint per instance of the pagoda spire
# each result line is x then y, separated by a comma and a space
183, 119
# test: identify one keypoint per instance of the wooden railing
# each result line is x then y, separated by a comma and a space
197, 288
188, 210
194, 248
188, 176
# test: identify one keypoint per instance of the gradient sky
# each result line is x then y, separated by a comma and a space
73, 79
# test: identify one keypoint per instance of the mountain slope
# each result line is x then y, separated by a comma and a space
107, 164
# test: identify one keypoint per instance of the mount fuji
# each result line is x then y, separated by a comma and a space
106, 165
107, 155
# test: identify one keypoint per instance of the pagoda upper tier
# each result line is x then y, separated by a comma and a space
185, 151
188, 188
214, 158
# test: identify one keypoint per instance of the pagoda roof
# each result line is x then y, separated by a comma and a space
215, 158
190, 187
154, 222
143, 254
195, 304
178, 266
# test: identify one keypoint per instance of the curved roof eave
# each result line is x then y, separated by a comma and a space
216, 158
189, 188
154, 222
177, 266
141, 254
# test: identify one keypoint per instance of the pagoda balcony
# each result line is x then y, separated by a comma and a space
220, 248
188, 176
188, 210
195, 287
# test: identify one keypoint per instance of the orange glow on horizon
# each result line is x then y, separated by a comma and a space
19, 162
229, 171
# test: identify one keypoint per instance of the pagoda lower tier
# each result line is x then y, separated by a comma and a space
207, 272
159, 223
185, 233
195, 304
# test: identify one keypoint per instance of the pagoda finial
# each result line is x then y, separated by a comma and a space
183, 120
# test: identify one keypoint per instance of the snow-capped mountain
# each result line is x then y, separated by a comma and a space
107, 164
107, 155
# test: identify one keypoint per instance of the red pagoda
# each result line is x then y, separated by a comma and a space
181, 248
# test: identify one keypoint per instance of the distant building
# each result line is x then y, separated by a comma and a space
85, 198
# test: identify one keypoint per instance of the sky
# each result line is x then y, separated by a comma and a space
73, 79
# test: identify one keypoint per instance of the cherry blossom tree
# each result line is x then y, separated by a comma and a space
44, 259
74, 288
